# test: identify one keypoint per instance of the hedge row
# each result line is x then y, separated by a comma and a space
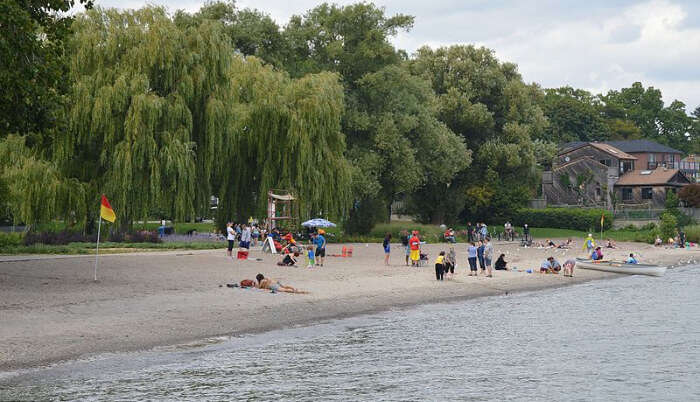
564, 218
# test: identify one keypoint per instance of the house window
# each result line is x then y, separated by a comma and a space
626, 194
647, 193
606, 162
626, 166
598, 192
652, 158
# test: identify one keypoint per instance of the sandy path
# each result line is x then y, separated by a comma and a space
51, 310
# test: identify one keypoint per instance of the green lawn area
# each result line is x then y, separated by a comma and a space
108, 247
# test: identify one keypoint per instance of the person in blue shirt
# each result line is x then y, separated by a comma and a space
320, 243
480, 257
471, 254
631, 259
546, 265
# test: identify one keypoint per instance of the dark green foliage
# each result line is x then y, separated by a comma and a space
690, 194
672, 209
564, 218
668, 226
364, 214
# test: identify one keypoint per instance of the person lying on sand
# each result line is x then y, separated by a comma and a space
275, 286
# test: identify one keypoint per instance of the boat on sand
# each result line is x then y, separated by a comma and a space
621, 267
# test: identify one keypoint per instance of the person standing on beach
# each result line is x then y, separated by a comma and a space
404, 242
320, 242
414, 244
471, 257
245, 237
480, 256
569, 267
589, 244
450, 262
488, 256
387, 248
440, 266
231, 237
470, 232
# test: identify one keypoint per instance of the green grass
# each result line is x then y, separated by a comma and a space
108, 247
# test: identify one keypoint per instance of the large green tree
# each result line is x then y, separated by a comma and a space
488, 105
573, 115
32, 64
166, 115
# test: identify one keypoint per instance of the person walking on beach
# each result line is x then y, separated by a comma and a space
440, 266
483, 232
589, 244
387, 248
404, 243
231, 237
414, 243
488, 256
471, 257
470, 232
480, 256
320, 242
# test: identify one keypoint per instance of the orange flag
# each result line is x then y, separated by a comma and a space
106, 211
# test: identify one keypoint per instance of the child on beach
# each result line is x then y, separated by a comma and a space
440, 266
387, 248
569, 267
414, 244
310, 257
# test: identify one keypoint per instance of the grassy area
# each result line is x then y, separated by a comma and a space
108, 247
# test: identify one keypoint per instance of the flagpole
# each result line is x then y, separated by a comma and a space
97, 251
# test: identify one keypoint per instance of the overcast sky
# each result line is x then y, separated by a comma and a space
596, 44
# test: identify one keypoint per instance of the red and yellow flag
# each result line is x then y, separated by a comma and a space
602, 219
106, 211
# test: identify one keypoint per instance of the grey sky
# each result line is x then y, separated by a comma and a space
596, 44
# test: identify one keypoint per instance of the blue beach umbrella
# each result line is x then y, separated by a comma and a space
318, 223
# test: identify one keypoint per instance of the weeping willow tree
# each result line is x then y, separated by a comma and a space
34, 189
164, 116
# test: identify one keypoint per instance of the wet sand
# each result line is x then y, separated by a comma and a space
51, 310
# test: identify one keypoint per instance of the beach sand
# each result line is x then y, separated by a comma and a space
51, 310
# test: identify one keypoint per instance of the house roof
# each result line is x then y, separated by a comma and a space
612, 150
635, 146
658, 176
608, 149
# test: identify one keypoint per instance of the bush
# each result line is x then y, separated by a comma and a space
143, 236
668, 226
564, 218
56, 238
10, 239
692, 233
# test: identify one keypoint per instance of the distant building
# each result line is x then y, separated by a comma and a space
634, 172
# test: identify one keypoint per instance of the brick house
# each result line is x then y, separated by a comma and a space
634, 172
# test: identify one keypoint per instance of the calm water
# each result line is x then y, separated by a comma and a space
633, 338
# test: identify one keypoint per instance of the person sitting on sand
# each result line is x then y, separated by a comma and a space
550, 243
610, 244
501, 263
275, 286
556, 266
450, 236
569, 267
546, 265
567, 244
597, 254
288, 260
658, 242
631, 259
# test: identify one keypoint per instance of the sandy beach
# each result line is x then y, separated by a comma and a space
51, 310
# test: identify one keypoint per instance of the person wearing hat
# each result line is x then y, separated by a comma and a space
414, 244
320, 242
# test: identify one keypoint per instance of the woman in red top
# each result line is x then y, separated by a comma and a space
414, 244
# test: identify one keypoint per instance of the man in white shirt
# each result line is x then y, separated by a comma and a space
231, 237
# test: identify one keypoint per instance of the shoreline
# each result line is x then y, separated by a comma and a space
151, 300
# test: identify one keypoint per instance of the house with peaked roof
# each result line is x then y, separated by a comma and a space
636, 172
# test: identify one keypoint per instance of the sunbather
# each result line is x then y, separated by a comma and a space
275, 286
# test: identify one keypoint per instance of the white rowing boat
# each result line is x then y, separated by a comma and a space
621, 268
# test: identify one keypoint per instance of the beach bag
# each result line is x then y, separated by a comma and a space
247, 283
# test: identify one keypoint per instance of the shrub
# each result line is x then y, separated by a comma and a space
668, 226
10, 239
57, 238
692, 233
564, 218
649, 226
690, 194
143, 236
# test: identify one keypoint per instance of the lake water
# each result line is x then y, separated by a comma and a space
632, 338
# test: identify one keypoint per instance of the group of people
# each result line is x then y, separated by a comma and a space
315, 251
552, 266
247, 235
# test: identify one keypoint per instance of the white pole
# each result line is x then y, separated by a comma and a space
97, 251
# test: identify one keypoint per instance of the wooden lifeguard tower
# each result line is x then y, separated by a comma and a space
280, 207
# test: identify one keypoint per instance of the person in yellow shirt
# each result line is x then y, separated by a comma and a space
440, 266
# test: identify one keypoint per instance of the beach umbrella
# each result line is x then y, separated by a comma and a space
318, 223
